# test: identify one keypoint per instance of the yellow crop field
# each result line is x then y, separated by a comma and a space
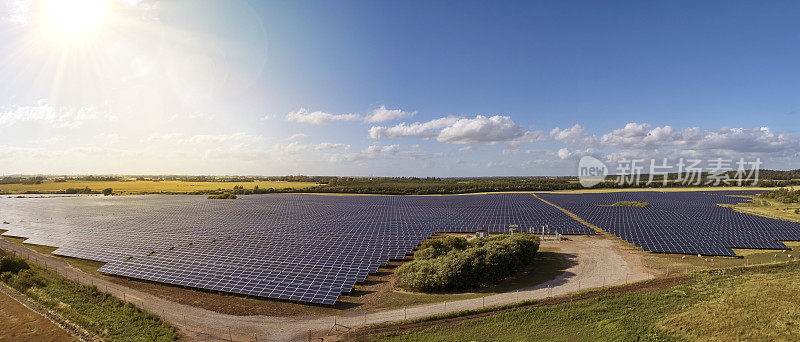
132, 187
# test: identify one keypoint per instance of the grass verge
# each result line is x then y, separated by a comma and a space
744, 303
99, 313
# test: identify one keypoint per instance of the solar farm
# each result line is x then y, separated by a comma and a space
307, 248
313, 248
680, 222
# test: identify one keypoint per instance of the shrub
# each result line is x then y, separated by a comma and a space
26, 279
223, 196
454, 264
108, 192
434, 248
13, 264
783, 195
71, 191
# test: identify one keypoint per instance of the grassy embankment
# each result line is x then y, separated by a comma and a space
98, 313
770, 208
752, 303
138, 187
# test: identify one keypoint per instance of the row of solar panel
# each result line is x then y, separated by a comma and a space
681, 222
299, 247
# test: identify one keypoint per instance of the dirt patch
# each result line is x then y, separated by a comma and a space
18, 323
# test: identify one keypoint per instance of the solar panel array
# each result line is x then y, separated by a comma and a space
680, 222
307, 248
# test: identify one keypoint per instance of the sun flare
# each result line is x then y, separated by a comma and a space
76, 19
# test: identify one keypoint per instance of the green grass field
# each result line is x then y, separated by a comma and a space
758, 303
775, 209
134, 187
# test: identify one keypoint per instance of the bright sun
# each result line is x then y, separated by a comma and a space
74, 19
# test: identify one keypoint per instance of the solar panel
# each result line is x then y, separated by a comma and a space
680, 222
308, 248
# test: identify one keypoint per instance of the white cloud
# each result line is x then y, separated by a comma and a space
572, 135
633, 134
45, 113
453, 130
751, 140
527, 137
318, 118
297, 136
374, 152
383, 114
292, 147
328, 146
16, 11
178, 138
565, 153
733, 140
481, 129
643, 141
425, 130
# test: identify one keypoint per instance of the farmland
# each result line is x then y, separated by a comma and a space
146, 186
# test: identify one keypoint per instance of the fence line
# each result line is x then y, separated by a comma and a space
179, 322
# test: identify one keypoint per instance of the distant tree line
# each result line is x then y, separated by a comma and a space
22, 180
453, 263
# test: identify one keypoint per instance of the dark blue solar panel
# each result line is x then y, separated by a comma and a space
297, 247
680, 222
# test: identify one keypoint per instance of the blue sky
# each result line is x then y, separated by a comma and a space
460, 88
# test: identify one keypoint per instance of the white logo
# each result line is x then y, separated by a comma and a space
591, 171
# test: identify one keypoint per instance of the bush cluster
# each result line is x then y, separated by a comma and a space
73, 191
223, 196
13, 264
16, 272
631, 204
452, 263
783, 195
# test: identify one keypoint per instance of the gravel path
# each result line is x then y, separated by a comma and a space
594, 261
